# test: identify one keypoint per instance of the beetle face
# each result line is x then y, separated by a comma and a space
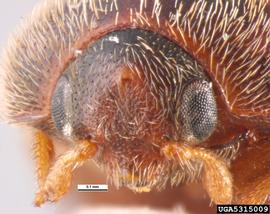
166, 92
132, 92
140, 82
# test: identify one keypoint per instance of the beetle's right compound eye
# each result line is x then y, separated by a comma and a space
61, 106
198, 110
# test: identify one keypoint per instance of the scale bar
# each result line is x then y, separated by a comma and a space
92, 187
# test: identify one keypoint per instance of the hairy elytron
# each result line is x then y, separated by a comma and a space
155, 92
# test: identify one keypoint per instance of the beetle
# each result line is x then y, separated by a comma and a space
153, 91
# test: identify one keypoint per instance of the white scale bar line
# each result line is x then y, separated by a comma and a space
92, 187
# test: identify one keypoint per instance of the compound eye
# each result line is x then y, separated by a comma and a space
61, 107
198, 110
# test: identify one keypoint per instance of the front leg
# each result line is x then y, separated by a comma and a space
43, 151
217, 179
58, 180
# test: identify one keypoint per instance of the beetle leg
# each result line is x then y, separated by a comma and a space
217, 179
43, 152
58, 180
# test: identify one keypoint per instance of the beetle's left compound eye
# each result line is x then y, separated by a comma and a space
198, 110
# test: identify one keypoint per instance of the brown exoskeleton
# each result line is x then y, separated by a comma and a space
154, 91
